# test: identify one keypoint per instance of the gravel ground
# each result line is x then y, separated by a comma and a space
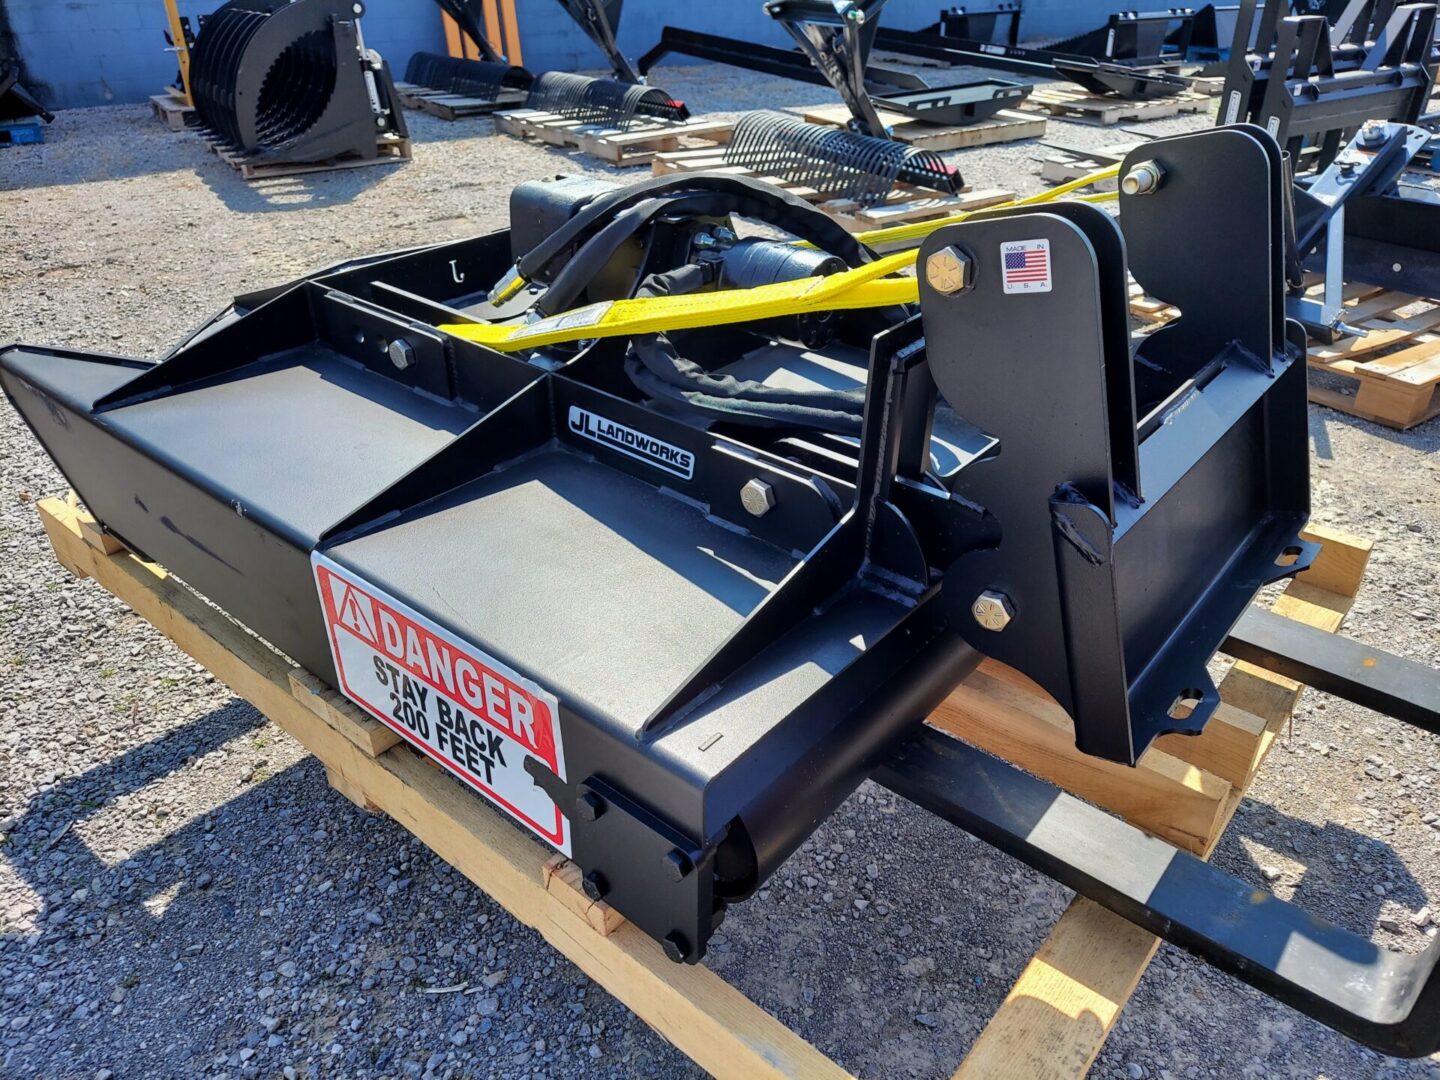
181, 895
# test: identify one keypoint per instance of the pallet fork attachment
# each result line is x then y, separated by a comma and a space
667, 599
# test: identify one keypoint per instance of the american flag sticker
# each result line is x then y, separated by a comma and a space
1026, 265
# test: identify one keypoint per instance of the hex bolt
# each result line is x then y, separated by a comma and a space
677, 946
948, 271
677, 865
595, 885
992, 610
757, 497
1372, 134
1143, 179
589, 806
401, 353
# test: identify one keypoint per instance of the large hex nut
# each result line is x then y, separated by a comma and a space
993, 610
948, 270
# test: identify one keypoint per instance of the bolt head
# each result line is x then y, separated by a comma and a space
589, 806
595, 885
757, 497
948, 270
1144, 178
993, 610
677, 946
677, 865
401, 353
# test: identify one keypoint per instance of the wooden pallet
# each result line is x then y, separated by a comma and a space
1394, 369
1055, 1020
1008, 125
636, 146
392, 149
171, 111
1061, 164
1076, 103
904, 203
455, 106
25, 132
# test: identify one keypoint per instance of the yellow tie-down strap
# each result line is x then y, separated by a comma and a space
871, 285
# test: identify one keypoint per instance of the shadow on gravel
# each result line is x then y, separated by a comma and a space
308, 191
71, 801
1341, 891
1424, 438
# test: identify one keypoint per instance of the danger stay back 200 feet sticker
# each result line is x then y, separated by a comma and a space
473, 714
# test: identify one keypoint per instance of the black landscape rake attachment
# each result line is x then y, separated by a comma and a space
291, 81
835, 163
605, 102
663, 540
483, 80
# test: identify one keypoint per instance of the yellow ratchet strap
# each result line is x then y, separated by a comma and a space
865, 286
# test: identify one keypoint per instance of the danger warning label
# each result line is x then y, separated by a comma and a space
462, 707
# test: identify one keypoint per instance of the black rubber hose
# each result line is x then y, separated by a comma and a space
657, 370
763, 201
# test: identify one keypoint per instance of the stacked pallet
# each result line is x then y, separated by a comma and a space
1076, 103
636, 145
1394, 370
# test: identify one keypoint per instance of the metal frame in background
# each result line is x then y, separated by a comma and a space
1128, 57
600, 19
1375, 63
834, 42
16, 102
1360, 219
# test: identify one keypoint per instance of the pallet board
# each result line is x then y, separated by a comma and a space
1064, 1004
171, 111
1061, 164
904, 203
392, 150
635, 146
452, 107
1394, 369
1009, 125
1076, 103
25, 132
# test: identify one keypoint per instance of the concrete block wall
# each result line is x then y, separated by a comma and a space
97, 52
550, 39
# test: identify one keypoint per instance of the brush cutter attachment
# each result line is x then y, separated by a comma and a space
709, 526
292, 81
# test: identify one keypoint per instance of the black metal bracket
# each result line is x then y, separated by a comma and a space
1389, 1001
600, 19
1114, 59
1312, 85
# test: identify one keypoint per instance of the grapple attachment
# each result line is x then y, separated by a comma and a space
292, 81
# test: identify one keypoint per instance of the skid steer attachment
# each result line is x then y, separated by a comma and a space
665, 594
291, 81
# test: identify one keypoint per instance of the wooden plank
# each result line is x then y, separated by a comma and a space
695, 1009
370, 735
1005, 714
1062, 1008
